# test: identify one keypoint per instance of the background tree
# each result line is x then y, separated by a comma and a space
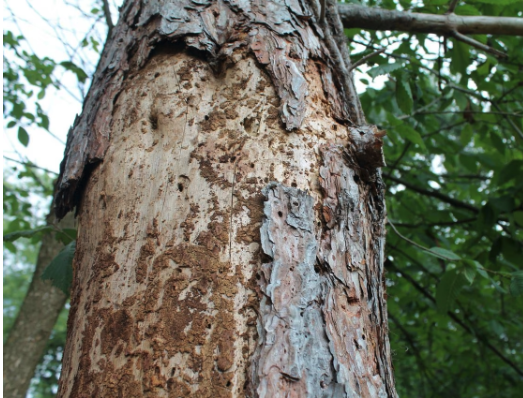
468, 159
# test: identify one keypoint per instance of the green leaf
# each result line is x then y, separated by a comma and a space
80, 74
444, 254
66, 235
459, 58
404, 95
470, 274
384, 69
497, 142
467, 9
516, 285
60, 270
412, 135
518, 216
28, 233
466, 134
23, 137
11, 124
448, 289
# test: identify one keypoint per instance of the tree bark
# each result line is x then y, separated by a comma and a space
35, 320
231, 214
354, 16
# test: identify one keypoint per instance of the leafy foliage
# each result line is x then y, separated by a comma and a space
60, 271
456, 312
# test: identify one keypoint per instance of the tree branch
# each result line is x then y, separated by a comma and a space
474, 43
108, 19
452, 6
366, 58
460, 322
434, 194
354, 16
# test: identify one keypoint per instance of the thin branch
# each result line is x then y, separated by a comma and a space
437, 224
355, 16
403, 153
30, 164
474, 43
465, 176
365, 59
453, 316
461, 111
510, 121
434, 194
452, 6
439, 255
108, 19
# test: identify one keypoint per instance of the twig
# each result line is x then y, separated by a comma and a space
437, 224
439, 255
373, 18
452, 6
434, 194
460, 111
366, 58
473, 332
30, 164
477, 44
509, 120
108, 19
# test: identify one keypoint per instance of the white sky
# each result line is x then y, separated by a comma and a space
58, 44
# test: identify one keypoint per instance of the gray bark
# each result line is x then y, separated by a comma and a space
35, 321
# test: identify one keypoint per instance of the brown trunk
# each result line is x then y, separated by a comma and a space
35, 320
196, 273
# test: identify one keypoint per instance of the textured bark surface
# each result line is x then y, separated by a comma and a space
165, 295
323, 321
35, 321
279, 33
176, 291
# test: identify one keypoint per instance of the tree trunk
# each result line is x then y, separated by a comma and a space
35, 320
231, 241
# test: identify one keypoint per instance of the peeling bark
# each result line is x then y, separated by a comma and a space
282, 35
323, 329
194, 109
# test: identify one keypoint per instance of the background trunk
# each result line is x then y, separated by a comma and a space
35, 321
176, 292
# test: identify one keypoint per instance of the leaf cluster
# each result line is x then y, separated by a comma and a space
454, 156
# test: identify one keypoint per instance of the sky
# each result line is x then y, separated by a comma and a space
53, 28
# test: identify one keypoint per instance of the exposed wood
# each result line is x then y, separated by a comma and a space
35, 321
195, 108
165, 295
280, 36
355, 16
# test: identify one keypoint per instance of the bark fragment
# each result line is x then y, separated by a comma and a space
351, 249
323, 333
293, 357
